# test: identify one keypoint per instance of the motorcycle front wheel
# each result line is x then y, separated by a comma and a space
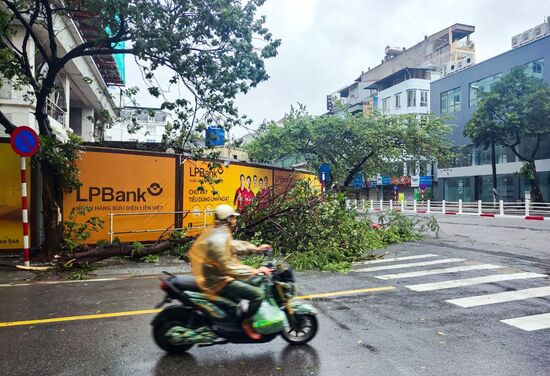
302, 328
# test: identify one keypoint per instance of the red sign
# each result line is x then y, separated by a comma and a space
24, 141
402, 180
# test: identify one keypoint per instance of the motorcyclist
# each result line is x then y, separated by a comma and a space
217, 270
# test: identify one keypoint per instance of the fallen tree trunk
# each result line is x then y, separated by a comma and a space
101, 253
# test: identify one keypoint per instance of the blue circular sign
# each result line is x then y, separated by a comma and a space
24, 141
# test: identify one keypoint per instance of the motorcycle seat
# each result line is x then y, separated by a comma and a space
185, 283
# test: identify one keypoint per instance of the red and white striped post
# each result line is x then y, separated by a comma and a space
25, 212
25, 143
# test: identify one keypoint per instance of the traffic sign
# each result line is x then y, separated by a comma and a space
24, 141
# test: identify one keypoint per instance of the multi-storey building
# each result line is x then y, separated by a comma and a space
72, 107
470, 178
447, 51
139, 124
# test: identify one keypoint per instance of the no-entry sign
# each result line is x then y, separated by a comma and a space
24, 141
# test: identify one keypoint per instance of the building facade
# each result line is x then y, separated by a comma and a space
73, 106
447, 51
139, 124
469, 177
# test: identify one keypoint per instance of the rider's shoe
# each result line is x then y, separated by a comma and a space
247, 327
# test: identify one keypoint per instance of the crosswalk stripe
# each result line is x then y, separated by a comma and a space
397, 259
440, 271
408, 265
530, 323
501, 297
473, 281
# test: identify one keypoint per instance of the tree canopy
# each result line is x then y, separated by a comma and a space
215, 49
515, 114
352, 143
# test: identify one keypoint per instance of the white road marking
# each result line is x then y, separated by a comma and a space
440, 271
501, 297
473, 281
530, 323
409, 265
397, 259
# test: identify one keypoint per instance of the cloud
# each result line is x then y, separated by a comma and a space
327, 43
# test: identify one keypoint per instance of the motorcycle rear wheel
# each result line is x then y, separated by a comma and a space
168, 319
301, 330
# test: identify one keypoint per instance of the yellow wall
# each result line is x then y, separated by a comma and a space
11, 229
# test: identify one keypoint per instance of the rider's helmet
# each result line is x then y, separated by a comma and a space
223, 212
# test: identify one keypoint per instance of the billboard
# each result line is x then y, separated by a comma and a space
136, 188
240, 186
11, 230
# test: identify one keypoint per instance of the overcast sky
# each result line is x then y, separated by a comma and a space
327, 43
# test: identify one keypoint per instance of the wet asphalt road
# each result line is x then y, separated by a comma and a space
398, 332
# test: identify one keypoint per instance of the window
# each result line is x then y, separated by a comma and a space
398, 100
411, 98
151, 140
423, 98
385, 105
151, 129
450, 101
160, 117
481, 86
535, 68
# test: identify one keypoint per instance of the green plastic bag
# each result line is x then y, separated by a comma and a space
269, 318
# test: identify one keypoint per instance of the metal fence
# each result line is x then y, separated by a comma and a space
113, 216
526, 209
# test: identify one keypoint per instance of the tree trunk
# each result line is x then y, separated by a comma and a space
51, 211
101, 253
536, 193
494, 169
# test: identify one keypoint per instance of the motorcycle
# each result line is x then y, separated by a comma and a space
197, 320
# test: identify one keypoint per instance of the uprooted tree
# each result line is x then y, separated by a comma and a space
352, 144
215, 50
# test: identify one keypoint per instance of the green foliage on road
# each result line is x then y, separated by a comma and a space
318, 232
352, 144
516, 115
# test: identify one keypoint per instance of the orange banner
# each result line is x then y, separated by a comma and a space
240, 185
138, 189
11, 229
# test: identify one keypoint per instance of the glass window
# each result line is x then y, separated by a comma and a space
142, 115
160, 117
386, 104
505, 187
450, 101
535, 68
481, 86
458, 189
423, 98
411, 98
398, 100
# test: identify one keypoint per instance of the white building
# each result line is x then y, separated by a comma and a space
71, 108
150, 125
405, 92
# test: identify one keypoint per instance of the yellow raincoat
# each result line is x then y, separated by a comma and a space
213, 260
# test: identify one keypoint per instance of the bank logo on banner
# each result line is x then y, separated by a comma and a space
109, 194
155, 189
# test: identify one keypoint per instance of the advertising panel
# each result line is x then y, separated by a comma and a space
240, 185
284, 180
138, 186
11, 230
